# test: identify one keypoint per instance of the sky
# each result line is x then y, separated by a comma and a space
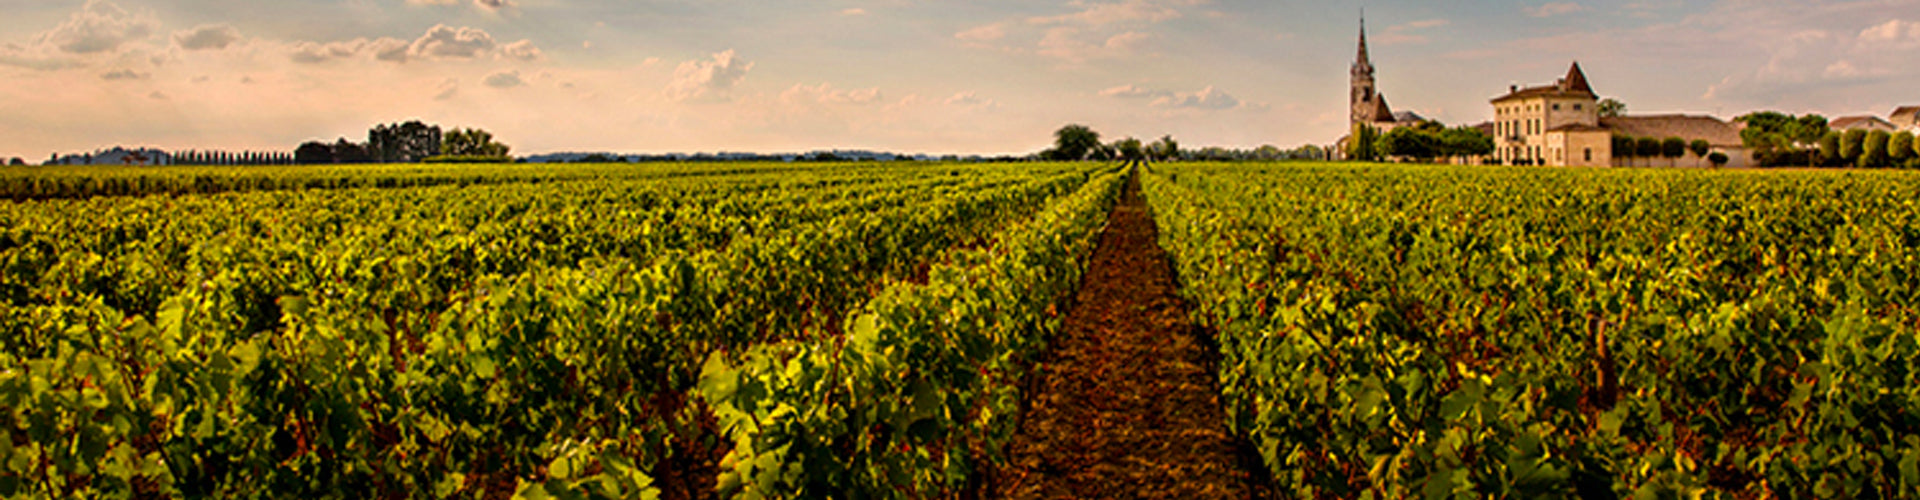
980, 76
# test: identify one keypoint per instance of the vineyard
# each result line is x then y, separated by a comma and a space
922, 330
1394, 332
393, 332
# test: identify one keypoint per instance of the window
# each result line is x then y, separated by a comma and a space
1576, 107
1556, 106
1589, 150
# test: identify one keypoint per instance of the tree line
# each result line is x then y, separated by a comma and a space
408, 142
1631, 148
1424, 142
1783, 140
1077, 142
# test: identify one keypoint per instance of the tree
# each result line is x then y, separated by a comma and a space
1167, 148
404, 142
1830, 147
1129, 149
1873, 153
312, 153
472, 142
1407, 142
17, 162
346, 151
1075, 142
1718, 159
1465, 142
1623, 147
1612, 108
1672, 148
1647, 147
1900, 149
1699, 147
1360, 145
1851, 143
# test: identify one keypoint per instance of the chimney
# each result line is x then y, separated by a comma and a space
1513, 87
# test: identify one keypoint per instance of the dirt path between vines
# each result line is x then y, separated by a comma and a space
1125, 404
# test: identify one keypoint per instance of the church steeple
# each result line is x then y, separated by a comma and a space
1364, 102
1363, 62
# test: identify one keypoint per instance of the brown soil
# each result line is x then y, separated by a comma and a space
1126, 404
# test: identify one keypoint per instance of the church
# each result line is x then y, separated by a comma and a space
1366, 105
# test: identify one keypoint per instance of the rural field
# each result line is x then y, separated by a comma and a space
958, 330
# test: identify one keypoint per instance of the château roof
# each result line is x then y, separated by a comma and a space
1863, 122
1686, 127
1905, 115
1576, 80
1574, 85
1381, 111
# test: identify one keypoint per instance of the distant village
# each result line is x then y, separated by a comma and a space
1566, 123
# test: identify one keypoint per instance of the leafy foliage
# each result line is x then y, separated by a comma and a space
524, 336
1389, 332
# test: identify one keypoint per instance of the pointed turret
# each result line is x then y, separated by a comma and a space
1576, 80
1362, 62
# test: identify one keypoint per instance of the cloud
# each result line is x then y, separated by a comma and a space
315, 52
447, 89
1132, 92
1127, 41
1894, 33
442, 41
100, 26
826, 94
1092, 30
522, 51
483, 4
124, 74
1103, 14
35, 58
856, 11
708, 79
504, 80
206, 37
1553, 9
970, 99
439, 42
1208, 98
987, 33
157, 96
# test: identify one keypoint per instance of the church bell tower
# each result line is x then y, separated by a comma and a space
1362, 101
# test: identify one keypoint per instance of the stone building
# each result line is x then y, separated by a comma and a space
1556, 124
1560, 125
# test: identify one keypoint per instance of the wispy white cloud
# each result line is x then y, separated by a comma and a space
1208, 98
100, 26
708, 79
826, 94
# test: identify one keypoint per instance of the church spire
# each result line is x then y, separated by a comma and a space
1363, 60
